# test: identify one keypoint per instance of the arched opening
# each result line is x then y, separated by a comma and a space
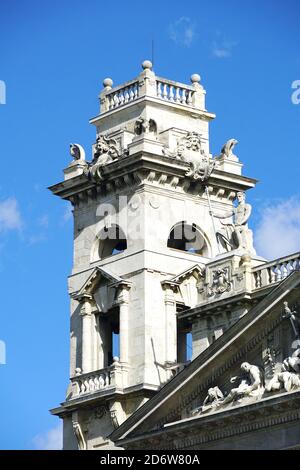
112, 241
188, 238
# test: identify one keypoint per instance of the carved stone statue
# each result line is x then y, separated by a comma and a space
189, 149
211, 401
288, 378
106, 151
292, 316
250, 386
292, 363
237, 235
77, 152
227, 150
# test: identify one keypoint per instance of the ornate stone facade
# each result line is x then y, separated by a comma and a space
164, 262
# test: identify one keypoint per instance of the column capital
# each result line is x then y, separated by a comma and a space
123, 288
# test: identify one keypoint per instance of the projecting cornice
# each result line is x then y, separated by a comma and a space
145, 168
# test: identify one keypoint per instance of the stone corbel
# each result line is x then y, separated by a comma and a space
78, 432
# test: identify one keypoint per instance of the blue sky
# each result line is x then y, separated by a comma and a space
54, 56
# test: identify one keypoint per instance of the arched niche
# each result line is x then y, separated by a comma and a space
110, 241
189, 238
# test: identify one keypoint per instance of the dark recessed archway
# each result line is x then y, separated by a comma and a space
188, 238
112, 241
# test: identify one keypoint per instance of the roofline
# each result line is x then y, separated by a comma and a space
223, 342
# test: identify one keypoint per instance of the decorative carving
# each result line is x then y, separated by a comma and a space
227, 149
220, 282
236, 235
78, 432
145, 126
106, 151
250, 387
77, 152
189, 149
211, 401
100, 411
295, 322
289, 375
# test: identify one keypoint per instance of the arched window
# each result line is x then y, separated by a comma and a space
112, 241
185, 237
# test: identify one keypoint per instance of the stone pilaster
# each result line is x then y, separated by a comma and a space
171, 322
123, 302
86, 315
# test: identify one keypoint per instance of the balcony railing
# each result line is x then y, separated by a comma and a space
113, 376
147, 84
275, 271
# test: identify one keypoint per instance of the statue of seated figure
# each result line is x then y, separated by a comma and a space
236, 235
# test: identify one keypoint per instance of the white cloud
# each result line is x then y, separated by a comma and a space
278, 232
182, 31
68, 213
222, 49
44, 221
10, 217
49, 440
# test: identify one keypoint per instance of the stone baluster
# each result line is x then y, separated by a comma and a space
165, 92
171, 93
121, 98
177, 94
158, 90
272, 275
126, 95
183, 96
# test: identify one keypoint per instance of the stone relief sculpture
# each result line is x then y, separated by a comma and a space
250, 386
288, 378
220, 282
105, 151
212, 400
236, 235
189, 149
145, 126
227, 149
77, 152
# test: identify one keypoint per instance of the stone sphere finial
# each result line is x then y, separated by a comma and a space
147, 64
116, 359
195, 78
107, 82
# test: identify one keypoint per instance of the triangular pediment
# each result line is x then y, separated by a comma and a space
97, 275
261, 338
187, 285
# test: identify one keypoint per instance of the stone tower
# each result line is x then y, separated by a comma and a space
144, 237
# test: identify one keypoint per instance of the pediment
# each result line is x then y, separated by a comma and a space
97, 275
101, 285
262, 338
187, 285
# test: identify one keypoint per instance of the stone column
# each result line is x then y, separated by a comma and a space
86, 344
123, 301
171, 323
